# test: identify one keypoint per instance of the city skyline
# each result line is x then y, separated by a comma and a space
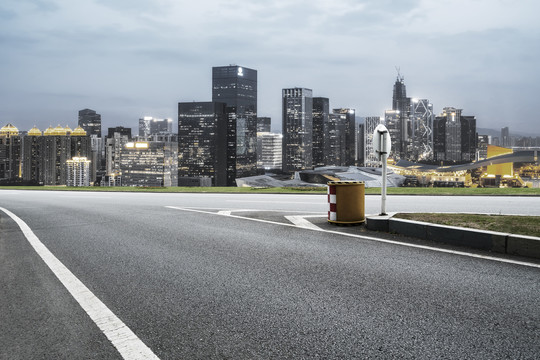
126, 62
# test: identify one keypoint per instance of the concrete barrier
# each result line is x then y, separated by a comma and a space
503, 243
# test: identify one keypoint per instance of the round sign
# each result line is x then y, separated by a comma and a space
381, 141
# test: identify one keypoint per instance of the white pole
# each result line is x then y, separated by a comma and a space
383, 189
384, 157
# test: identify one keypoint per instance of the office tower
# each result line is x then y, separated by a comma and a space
360, 145
149, 126
370, 124
55, 150
297, 129
207, 142
149, 163
236, 86
269, 147
321, 112
335, 153
483, 142
399, 120
120, 130
505, 138
114, 143
31, 155
350, 135
454, 136
81, 145
392, 121
421, 119
10, 153
78, 171
264, 124
90, 121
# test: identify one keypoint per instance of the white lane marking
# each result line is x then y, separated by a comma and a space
317, 201
300, 221
462, 253
126, 342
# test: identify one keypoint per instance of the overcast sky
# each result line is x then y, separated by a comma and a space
132, 58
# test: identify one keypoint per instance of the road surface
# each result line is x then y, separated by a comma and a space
224, 276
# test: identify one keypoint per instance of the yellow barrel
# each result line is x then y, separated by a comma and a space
346, 200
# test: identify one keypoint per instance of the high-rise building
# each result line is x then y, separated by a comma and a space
269, 147
454, 136
360, 144
421, 119
10, 153
393, 121
31, 155
321, 112
78, 171
505, 137
297, 129
335, 153
207, 142
264, 124
55, 150
370, 124
150, 126
113, 148
149, 163
120, 130
90, 121
483, 142
350, 135
236, 86
399, 125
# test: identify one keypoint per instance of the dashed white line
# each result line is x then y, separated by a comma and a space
126, 342
461, 253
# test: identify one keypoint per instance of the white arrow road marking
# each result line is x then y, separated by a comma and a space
300, 221
371, 238
126, 342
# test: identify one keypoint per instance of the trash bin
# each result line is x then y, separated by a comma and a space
347, 202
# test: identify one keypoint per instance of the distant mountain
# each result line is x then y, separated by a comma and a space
497, 133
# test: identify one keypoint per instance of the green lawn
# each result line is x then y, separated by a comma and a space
513, 224
295, 190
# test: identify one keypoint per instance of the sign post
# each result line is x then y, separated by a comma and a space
381, 148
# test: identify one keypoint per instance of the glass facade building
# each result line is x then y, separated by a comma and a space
207, 142
297, 107
90, 121
349, 116
149, 163
236, 86
321, 111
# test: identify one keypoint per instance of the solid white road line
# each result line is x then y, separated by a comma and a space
126, 342
461, 253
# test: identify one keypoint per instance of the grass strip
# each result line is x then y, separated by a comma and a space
513, 224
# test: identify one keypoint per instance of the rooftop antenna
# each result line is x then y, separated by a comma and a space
399, 76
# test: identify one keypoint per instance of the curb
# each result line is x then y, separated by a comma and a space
503, 243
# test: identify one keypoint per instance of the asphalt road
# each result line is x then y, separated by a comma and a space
200, 285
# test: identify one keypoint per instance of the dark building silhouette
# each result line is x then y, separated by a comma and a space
397, 121
90, 121
454, 136
321, 112
123, 131
207, 142
297, 129
236, 86
350, 135
10, 153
